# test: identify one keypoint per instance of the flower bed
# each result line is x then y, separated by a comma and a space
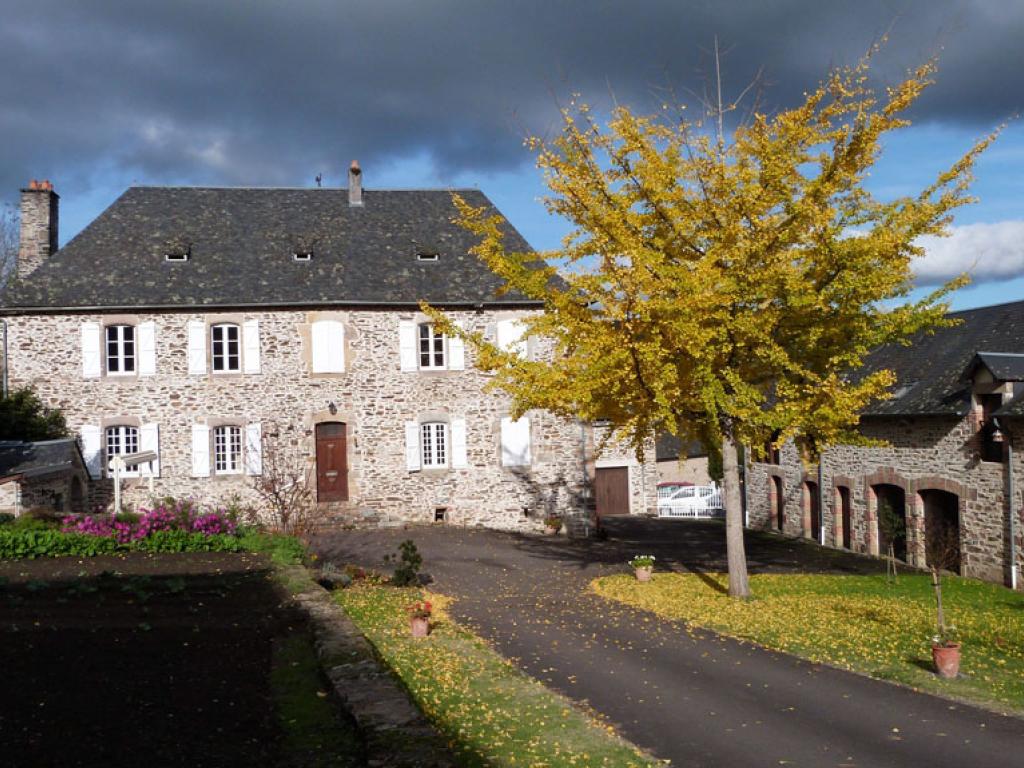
170, 526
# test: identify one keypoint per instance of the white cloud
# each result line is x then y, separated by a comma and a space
987, 252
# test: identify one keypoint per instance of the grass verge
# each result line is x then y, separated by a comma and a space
862, 623
315, 733
492, 714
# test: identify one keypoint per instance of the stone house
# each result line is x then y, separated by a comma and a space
950, 469
46, 474
231, 331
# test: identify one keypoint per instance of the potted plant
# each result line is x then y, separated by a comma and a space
943, 551
419, 617
642, 566
946, 652
553, 524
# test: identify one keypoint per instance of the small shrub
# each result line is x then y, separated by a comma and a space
6, 518
26, 523
407, 572
43, 514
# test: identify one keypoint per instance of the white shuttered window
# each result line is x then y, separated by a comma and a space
434, 445
90, 350
328, 338
515, 442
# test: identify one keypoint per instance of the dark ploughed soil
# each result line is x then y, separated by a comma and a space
140, 660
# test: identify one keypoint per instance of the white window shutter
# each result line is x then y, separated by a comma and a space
197, 349
515, 442
412, 445
253, 448
458, 429
456, 351
407, 344
251, 346
328, 337
147, 349
90, 350
200, 450
149, 440
512, 336
90, 434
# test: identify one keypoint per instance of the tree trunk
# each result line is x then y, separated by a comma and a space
939, 616
737, 556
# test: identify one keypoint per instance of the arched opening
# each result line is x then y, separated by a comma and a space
942, 529
845, 516
812, 511
891, 514
331, 461
779, 502
77, 494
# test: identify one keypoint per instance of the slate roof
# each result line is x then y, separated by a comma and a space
241, 242
930, 372
38, 459
1002, 366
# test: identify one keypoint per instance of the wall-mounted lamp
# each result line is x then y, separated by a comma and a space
332, 408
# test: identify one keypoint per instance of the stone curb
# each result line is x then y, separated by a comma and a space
396, 732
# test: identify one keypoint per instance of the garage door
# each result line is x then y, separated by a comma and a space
611, 491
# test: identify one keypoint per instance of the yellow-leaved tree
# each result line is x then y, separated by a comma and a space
723, 288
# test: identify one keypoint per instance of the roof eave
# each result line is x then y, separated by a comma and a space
229, 307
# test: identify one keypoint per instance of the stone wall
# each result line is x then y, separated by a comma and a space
922, 453
373, 397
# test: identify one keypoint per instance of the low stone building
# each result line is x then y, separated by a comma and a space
233, 332
950, 470
48, 474
681, 463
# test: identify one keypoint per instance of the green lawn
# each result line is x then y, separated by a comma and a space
862, 623
492, 714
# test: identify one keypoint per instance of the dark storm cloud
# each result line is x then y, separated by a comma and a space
259, 92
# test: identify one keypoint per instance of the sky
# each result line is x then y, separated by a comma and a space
98, 95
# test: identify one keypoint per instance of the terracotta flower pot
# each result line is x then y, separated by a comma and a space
643, 574
552, 531
947, 659
420, 626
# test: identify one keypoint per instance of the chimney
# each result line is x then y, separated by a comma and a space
355, 184
39, 206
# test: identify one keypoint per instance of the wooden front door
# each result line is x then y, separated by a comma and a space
331, 462
611, 491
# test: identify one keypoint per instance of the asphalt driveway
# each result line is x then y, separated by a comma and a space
692, 697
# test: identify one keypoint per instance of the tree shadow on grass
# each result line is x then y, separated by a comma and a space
708, 580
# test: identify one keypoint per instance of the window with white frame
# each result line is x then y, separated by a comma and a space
227, 450
120, 350
434, 445
121, 440
432, 347
225, 348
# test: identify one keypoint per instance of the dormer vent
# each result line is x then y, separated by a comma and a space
302, 255
177, 255
426, 254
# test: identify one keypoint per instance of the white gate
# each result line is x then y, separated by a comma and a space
690, 501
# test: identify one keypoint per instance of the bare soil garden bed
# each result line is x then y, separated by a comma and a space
159, 660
